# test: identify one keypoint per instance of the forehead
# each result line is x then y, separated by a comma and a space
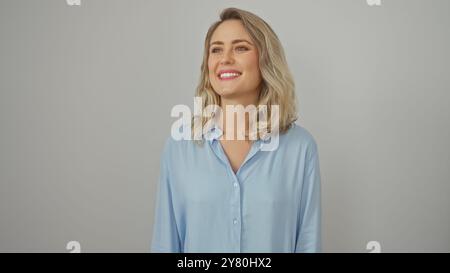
230, 30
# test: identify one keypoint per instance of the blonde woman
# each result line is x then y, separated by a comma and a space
227, 194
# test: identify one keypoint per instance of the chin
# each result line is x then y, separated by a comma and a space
228, 93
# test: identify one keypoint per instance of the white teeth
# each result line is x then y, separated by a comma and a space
229, 75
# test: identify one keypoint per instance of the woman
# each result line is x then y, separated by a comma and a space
223, 194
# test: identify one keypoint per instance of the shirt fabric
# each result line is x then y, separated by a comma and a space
271, 204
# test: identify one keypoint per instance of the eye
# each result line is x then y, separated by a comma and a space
216, 50
241, 48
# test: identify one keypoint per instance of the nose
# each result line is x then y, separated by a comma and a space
227, 57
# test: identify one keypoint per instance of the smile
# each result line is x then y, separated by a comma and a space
229, 75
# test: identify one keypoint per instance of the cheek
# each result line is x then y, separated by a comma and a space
211, 69
253, 67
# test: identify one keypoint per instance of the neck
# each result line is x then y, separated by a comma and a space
237, 119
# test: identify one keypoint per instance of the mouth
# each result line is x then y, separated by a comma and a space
228, 74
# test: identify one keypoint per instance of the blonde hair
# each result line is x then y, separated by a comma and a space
277, 82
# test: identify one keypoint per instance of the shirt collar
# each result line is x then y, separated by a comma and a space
214, 132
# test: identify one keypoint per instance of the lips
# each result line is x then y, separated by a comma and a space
229, 74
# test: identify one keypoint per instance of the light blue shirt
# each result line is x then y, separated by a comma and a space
271, 204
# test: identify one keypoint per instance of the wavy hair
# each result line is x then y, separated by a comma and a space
277, 86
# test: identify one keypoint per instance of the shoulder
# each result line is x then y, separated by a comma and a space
301, 144
298, 136
177, 148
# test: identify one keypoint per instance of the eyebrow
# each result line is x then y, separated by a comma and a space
232, 42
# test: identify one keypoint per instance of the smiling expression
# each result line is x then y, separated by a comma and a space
233, 61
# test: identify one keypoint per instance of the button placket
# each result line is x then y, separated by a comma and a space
236, 219
236, 212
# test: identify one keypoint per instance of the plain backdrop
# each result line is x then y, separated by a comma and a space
86, 93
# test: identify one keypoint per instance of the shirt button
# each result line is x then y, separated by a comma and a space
235, 221
235, 185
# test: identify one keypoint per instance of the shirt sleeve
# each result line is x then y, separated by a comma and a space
309, 227
165, 233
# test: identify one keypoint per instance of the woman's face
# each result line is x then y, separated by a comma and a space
233, 61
